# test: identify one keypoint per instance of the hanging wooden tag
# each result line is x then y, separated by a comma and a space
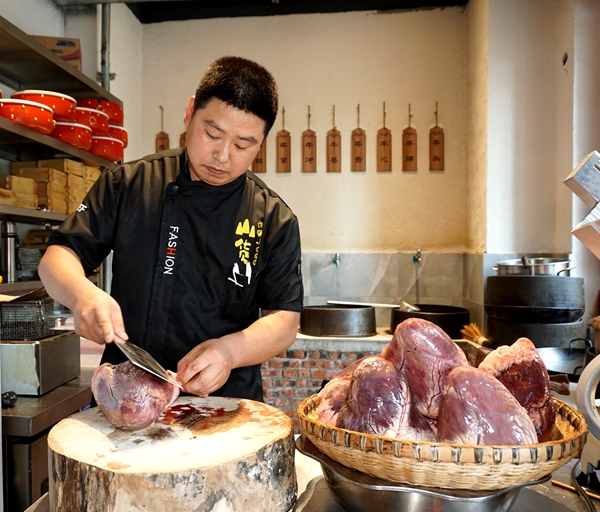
409, 146
182, 138
384, 147
358, 160
284, 161
384, 150
309, 149
334, 151
359, 150
436, 145
162, 141
259, 164
162, 138
334, 148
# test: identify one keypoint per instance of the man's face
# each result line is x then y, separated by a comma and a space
221, 140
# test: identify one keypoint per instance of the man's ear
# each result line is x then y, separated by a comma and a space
189, 111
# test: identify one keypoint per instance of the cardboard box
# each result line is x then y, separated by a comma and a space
74, 181
68, 49
42, 175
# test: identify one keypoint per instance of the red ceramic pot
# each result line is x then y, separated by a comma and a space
62, 105
95, 119
107, 147
113, 110
118, 132
77, 135
34, 115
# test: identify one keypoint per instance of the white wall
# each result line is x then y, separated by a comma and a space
526, 76
345, 59
36, 17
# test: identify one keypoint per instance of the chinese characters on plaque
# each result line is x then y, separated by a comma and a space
409, 146
259, 164
436, 145
309, 149
384, 147
358, 162
284, 162
334, 148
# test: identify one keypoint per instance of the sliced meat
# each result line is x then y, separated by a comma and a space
426, 355
476, 408
376, 399
333, 395
521, 369
131, 398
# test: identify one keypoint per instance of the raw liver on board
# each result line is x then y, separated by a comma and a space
131, 398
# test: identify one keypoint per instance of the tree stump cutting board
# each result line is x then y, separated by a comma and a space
203, 454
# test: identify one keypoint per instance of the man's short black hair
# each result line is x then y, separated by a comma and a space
241, 83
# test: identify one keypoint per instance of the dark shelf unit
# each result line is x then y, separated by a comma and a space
25, 63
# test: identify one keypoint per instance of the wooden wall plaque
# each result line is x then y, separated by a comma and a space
436, 149
334, 151
384, 150
409, 149
309, 151
259, 164
358, 161
284, 162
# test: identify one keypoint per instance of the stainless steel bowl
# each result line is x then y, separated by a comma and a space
358, 492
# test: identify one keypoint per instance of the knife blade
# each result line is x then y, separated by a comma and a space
145, 361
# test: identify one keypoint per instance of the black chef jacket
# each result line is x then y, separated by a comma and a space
191, 261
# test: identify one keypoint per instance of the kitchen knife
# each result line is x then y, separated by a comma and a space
145, 361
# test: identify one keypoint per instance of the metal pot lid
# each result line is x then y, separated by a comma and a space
534, 261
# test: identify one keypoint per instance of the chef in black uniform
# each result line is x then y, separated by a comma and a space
206, 258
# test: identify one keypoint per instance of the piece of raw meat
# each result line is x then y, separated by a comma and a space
426, 355
521, 369
131, 398
376, 399
333, 395
378, 402
476, 409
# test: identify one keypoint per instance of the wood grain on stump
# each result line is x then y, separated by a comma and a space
204, 454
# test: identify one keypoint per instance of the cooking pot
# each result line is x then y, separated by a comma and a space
569, 360
450, 318
535, 299
534, 267
350, 321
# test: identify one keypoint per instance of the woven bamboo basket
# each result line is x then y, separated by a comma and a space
448, 466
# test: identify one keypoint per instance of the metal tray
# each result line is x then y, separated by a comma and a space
359, 492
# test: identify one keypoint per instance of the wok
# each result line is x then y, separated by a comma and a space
569, 360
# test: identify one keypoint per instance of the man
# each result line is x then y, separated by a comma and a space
206, 261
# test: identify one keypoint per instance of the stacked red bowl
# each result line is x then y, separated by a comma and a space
95, 119
107, 147
78, 135
62, 106
118, 132
37, 116
113, 110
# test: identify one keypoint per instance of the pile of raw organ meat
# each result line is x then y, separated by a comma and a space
131, 398
422, 388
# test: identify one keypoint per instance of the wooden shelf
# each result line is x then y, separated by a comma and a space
19, 143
